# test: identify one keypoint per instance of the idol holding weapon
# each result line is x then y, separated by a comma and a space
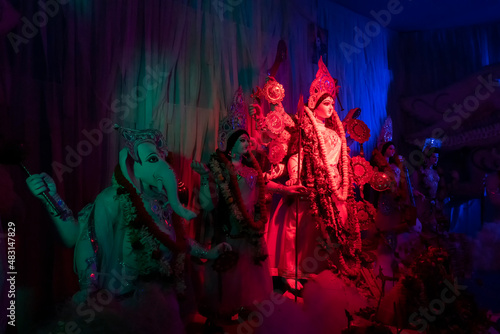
130, 245
327, 222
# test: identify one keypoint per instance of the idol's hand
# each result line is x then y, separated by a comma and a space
216, 251
292, 182
200, 168
255, 110
187, 214
42, 183
296, 190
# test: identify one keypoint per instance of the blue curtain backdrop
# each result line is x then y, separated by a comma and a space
358, 48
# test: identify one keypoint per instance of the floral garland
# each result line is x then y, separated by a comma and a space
345, 158
231, 190
328, 218
353, 221
145, 234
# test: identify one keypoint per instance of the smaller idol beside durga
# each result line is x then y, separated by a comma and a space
234, 188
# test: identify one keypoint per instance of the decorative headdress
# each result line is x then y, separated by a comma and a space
235, 120
385, 133
133, 138
432, 143
324, 83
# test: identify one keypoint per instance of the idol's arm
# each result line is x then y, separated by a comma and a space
44, 187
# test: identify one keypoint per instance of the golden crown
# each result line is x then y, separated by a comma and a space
235, 120
324, 83
133, 138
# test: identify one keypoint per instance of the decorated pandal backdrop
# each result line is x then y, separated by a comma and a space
175, 65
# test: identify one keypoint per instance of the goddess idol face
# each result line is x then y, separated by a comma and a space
433, 159
390, 151
241, 145
325, 109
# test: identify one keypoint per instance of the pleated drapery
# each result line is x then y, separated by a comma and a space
171, 65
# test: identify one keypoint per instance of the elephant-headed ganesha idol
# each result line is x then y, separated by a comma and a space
131, 233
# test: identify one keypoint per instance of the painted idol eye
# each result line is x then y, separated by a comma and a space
153, 159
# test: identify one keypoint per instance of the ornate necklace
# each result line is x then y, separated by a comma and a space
250, 175
231, 190
345, 172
